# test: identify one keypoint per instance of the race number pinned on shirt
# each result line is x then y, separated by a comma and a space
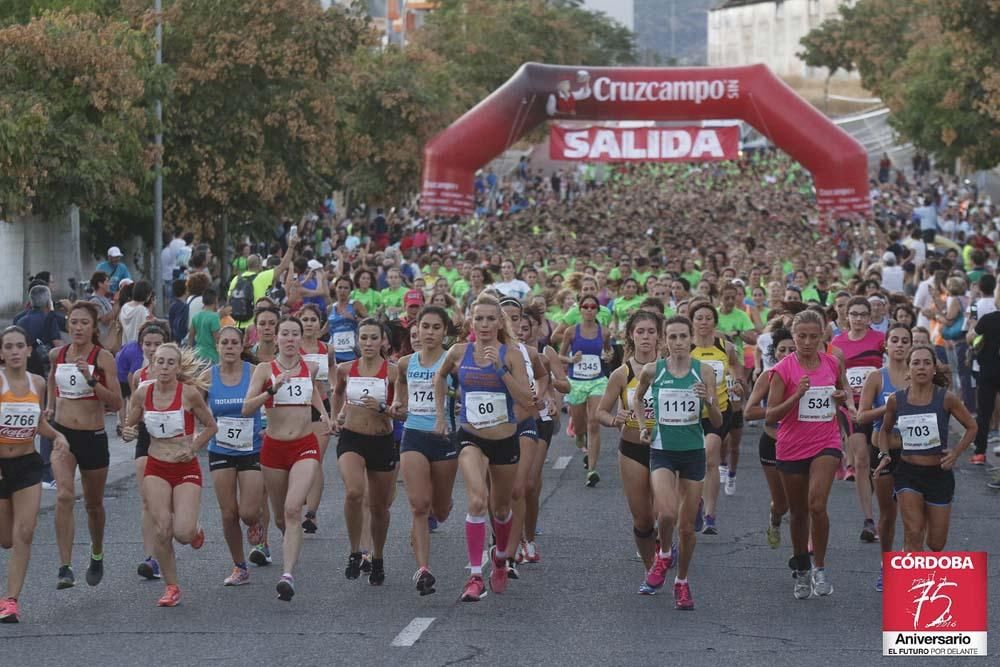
919, 431
164, 424
71, 382
359, 389
856, 377
322, 364
19, 421
678, 407
588, 368
817, 405
648, 409
485, 408
343, 342
235, 433
422, 398
295, 391
719, 368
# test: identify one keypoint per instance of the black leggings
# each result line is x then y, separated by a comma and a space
986, 397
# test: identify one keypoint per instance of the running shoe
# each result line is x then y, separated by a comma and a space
592, 478
9, 613
149, 569
171, 596
353, 570
498, 575
238, 577
730, 485
878, 582
803, 585
255, 534
425, 581
996, 450
646, 589
978, 459
309, 523
710, 528
432, 523
699, 519
682, 596
519, 554
993, 437
260, 555
819, 583
199, 539
95, 571
868, 531
285, 588
531, 554
377, 576
723, 474
586, 460
475, 589
849, 474
66, 578
993, 484
658, 572
512, 569
774, 536
366, 562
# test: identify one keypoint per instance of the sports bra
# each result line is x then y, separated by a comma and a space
631, 383
361, 386
296, 391
70, 383
19, 415
169, 422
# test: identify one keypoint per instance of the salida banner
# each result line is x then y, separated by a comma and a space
645, 144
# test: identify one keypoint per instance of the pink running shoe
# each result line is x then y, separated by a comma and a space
475, 589
658, 573
531, 554
498, 575
9, 612
682, 597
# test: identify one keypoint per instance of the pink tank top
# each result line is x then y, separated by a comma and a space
811, 426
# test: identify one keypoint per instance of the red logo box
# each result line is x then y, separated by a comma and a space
934, 604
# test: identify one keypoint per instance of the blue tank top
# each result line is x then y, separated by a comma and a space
420, 385
888, 389
317, 301
237, 435
923, 428
475, 379
591, 348
343, 333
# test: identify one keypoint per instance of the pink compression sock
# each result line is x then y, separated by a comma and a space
501, 529
475, 538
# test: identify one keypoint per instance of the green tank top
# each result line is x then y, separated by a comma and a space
678, 410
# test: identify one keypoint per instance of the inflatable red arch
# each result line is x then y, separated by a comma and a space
538, 92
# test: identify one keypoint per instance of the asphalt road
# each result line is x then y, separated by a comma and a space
577, 607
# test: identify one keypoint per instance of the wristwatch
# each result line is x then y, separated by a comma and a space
92, 382
271, 391
382, 407
882, 455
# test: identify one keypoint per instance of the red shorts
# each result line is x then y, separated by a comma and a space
175, 474
283, 454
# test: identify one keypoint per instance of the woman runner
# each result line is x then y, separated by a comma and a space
429, 460
924, 478
366, 452
168, 407
491, 377
234, 452
317, 354
21, 417
802, 401
289, 453
684, 394
81, 388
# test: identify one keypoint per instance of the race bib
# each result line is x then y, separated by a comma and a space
422, 398
817, 405
360, 388
343, 342
297, 391
856, 377
919, 431
71, 382
19, 421
588, 368
322, 363
235, 433
484, 409
719, 368
164, 424
648, 409
678, 407
730, 384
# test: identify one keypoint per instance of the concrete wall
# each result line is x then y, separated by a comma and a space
769, 33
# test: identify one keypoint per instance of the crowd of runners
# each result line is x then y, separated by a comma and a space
677, 305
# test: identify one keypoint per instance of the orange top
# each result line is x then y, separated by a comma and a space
19, 415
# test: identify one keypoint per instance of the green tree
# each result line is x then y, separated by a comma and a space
826, 47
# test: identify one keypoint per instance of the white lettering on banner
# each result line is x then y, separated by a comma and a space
613, 144
697, 91
911, 561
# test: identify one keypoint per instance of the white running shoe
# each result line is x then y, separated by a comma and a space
803, 585
819, 583
723, 474
730, 485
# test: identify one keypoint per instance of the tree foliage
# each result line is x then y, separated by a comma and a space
935, 63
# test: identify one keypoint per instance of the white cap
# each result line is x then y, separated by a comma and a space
114, 251
889, 257
314, 265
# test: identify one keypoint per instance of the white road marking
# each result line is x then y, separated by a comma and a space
562, 462
409, 635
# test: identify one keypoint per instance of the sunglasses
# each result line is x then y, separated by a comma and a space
590, 307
